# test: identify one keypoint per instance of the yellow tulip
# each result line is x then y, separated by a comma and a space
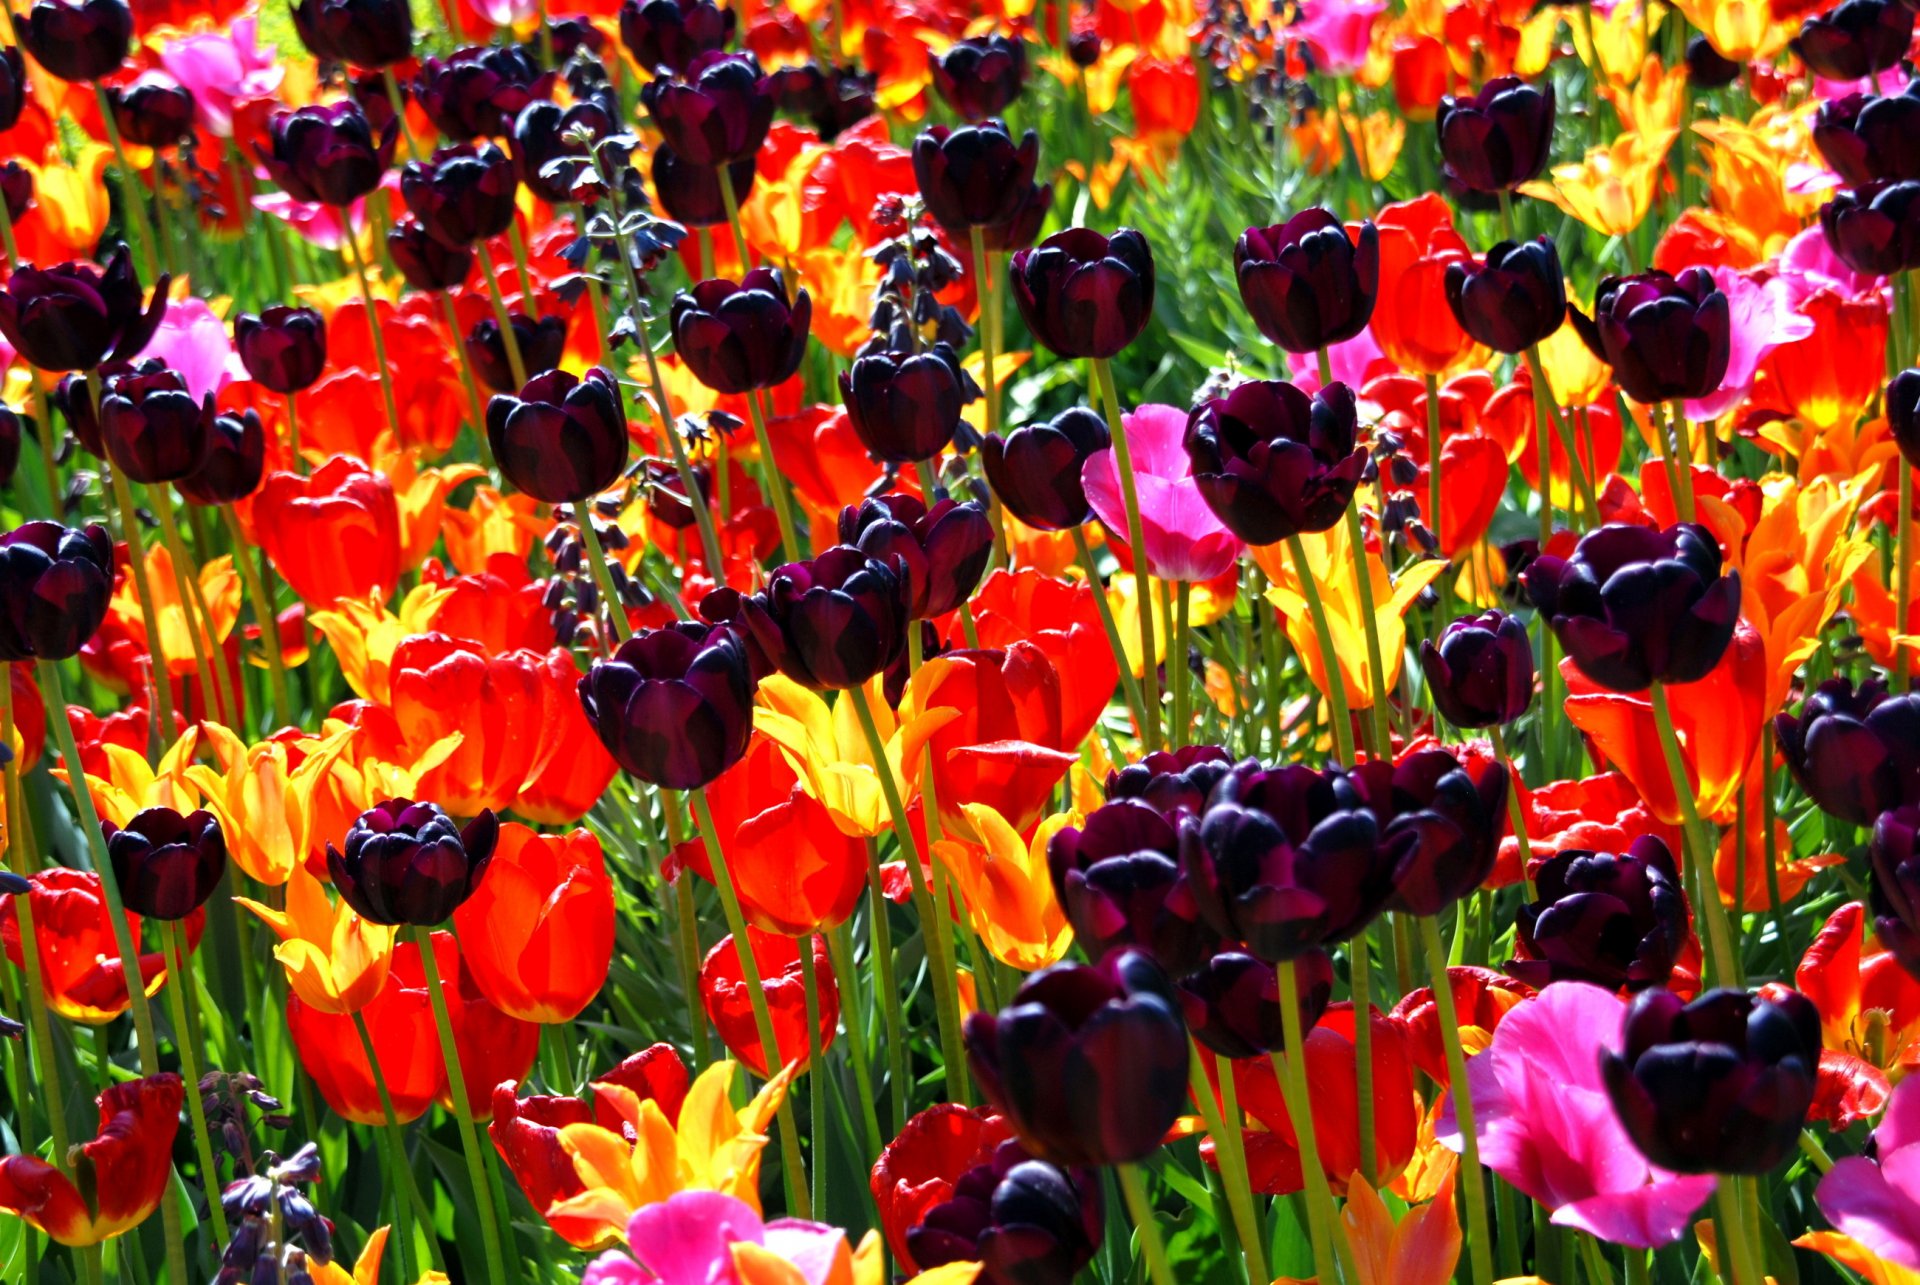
1008, 890
335, 960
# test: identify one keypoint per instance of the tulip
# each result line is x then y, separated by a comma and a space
735, 338
833, 622
1118, 877
1272, 462
1666, 337
1615, 920
1453, 811
366, 33
1002, 879
672, 33
980, 76
122, 1174
154, 111
1514, 300
1171, 780
690, 192
919, 1169
9, 443
1083, 294
13, 86
1902, 405
944, 549
1719, 1085
406, 863
78, 42
327, 155
563, 439
710, 1232
1894, 856
1232, 1002
1481, 674
81, 975
1307, 283
479, 91
462, 195
546, 158
1036, 470
284, 349
1875, 228
55, 583
16, 189
1418, 247
167, 865
492, 1046
1855, 751
832, 99
1499, 138
723, 993
715, 111
1088, 1063
424, 261
905, 407
76, 316
333, 535
335, 961
153, 429
1866, 138
1026, 1222
1857, 40
674, 706
1871, 1198
406, 1046
1023, 229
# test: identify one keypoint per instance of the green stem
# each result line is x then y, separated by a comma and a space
1225, 1135
1433, 488
1137, 545
840, 951
400, 115
520, 264
186, 587
1516, 811
1129, 684
1376, 658
1329, 659
176, 947
776, 482
158, 674
1706, 888
983, 268
1683, 460
1290, 1065
509, 338
1903, 572
1178, 676
1548, 413
1145, 1225
132, 192
1737, 1251
1479, 1234
359, 264
816, 1074
597, 560
731, 201
881, 947
405, 1196
1360, 964
264, 615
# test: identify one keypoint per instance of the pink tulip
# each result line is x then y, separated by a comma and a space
1879, 1204
219, 66
1760, 319
1184, 540
1353, 362
688, 1239
503, 13
1340, 31
194, 342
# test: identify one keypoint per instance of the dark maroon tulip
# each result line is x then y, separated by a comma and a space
1283, 862
674, 706
327, 154
1232, 1002
832, 100
1855, 751
1023, 229
87, 40
1875, 228
690, 194
1083, 48
236, 461
832, 622
1454, 813
1036, 470
154, 111
9, 443
366, 33
544, 157
153, 428
1614, 920
55, 582
1272, 462
1855, 40
1306, 283
1026, 1222
463, 196
672, 33
13, 86
716, 112
1666, 337
1515, 299
16, 188
1894, 857
1481, 674
1866, 137
974, 176
944, 549
562, 439
1720, 1085
1499, 138
74, 316
283, 349
542, 340
424, 261
739, 337
1634, 606
74, 400
479, 91
407, 863
1706, 68
1903, 414
1119, 881
1083, 294
1173, 780
568, 36
980, 76
905, 407
1088, 1063
167, 864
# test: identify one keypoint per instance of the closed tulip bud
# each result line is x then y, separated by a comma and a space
717, 111
55, 583
9, 442
366, 33
833, 622
975, 176
16, 188
1515, 299
1875, 228
1171, 780
167, 865
674, 706
463, 195
1614, 920
74, 316
1499, 138
1634, 606
87, 40
74, 400
1894, 857
1272, 462
236, 461
563, 439
153, 428
407, 863
328, 155
1706, 68
1858, 39
690, 193
1855, 751
1481, 674
1868, 137
1083, 294
1118, 878
13, 86
479, 91
424, 261
672, 33
542, 340
1088, 1063
735, 338
944, 549
980, 76
1719, 1085
1306, 282
545, 158
283, 349
1023, 229
154, 111
1232, 1002
1666, 337
905, 407
1026, 1222
1035, 470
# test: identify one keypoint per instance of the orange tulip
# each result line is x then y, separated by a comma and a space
1411, 320
1423, 1248
1869, 1005
81, 975
1850, 1253
1059, 617
491, 524
1819, 377
1481, 997
336, 962
399, 1021
577, 775
723, 993
828, 751
1166, 98
537, 934
1008, 892
333, 535
1611, 188
122, 1174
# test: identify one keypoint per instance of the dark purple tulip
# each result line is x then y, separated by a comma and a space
1499, 138
167, 864
1894, 857
54, 585
905, 407
568, 36
154, 111
690, 193
1666, 337
832, 622
981, 75
1026, 1222
740, 337
1451, 817
424, 261
1088, 1063
672, 33
366, 33
1171, 780
153, 428
1866, 137
1481, 674
283, 349
327, 154
1706, 69
562, 439
74, 316
944, 549
544, 158
1305, 282
542, 340
1903, 414
406, 863
1232, 1002
1036, 470
1084, 47
1614, 920
1119, 881
716, 112
1083, 294
479, 91
463, 196
74, 400
87, 40
1515, 299
674, 706
13, 86
1855, 751
9, 443
1875, 228
831, 100
1634, 606
1272, 462
1858, 39
16, 188
236, 460
1720, 1085
975, 176
1023, 229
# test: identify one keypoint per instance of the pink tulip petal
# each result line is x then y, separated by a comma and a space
615, 1268
1184, 540
685, 1239
1644, 1218
194, 342
1877, 1205
811, 1247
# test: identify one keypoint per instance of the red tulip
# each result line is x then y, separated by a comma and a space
537, 934
724, 993
122, 1173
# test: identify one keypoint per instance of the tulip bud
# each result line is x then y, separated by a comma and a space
1875, 228
1272, 462
1894, 858
674, 706
463, 195
366, 33
153, 428
1720, 1085
716, 112
672, 33
479, 91
974, 176
167, 865
1867, 137
980, 76
542, 340
284, 349
1666, 337
1119, 881
74, 316
905, 407
16, 188
1035, 470
545, 158
236, 460
1515, 299
1305, 282
424, 261
833, 622
154, 111
77, 42
55, 583
1856, 40
13, 86
327, 154
690, 193
9, 443
1171, 780
944, 549
1497, 139
1481, 674
562, 439
1232, 1003
1026, 1222
1706, 68
740, 337
406, 863
1088, 1063
1617, 921
1855, 751
1083, 294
